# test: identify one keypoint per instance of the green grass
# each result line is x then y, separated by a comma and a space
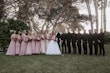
56, 64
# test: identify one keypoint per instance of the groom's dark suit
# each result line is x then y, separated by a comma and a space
58, 36
63, 38
79, 38
74, 42
68, 35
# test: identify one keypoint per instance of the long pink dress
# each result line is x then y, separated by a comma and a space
38, 45
47, 40
29, 46
23, 44
18, 44
12, 46
43, 45
33, 44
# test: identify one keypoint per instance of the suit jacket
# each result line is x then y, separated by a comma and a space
69, 37
101, 37
73, 37
84, 37
79, 37
95, 37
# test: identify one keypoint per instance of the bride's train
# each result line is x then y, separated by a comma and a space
53, 48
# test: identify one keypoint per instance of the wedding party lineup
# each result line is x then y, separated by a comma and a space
28, 43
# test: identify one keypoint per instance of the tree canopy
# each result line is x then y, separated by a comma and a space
52, 12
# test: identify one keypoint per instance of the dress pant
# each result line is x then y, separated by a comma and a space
90, 48
79, 47
85, 47
96, 48
63, 47
69, 47
74, 47
102, 50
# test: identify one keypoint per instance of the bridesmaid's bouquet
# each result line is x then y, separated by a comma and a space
19, 39
48, 38
26, 39
43, 38
38, 39
29, 39
14, 38
55, 39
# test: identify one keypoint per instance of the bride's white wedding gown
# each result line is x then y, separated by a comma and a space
53, 48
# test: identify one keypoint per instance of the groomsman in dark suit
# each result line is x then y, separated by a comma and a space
74, 42
63, 38
95, 38
101, 43
58, 36
79, 38
85, 39
90, 42
68, 35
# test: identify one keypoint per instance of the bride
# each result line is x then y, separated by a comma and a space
52, 47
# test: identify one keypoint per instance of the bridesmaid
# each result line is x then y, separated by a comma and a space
11, 49
47, 39
43, 45
23, 43
33, 44
38, 43
18, 43
29, 45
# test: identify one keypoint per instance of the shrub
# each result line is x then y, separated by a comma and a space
107, 37
5, 28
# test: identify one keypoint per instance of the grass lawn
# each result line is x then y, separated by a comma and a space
56, 64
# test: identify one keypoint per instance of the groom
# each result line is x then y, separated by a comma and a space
68, 36
58, 36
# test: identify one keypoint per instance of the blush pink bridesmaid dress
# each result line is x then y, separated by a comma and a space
33, 44
38, 45
18, 44
47, 40
23, 44
12, 46
43, 45
29, 46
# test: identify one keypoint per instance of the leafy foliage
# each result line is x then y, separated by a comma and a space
51, 11
107, 37
1, 8
5, 30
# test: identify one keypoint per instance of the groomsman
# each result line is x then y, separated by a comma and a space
63, 38
84, 39
79, 38
95, 38
74, 42
90, 42
101, 43
58, 36
68, 35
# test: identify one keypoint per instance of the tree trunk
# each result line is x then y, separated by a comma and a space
102, 18
96, 12
105, 5
89, 12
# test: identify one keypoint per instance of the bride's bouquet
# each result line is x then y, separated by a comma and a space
55, 39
